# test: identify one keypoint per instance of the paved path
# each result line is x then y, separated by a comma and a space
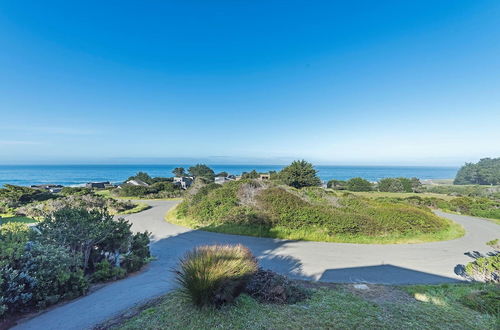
333, 262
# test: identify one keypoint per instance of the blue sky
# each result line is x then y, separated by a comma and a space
334, 82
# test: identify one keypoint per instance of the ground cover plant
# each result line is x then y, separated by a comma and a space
329, 307
258, 208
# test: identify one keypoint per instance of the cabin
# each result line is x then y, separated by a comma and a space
184, 181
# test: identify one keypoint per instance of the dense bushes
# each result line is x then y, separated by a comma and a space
485, 269
267, 207
486, 171
156, 190
359, 184
14, 196
215, 274
479, 207
69, 248
89, 201
400, 185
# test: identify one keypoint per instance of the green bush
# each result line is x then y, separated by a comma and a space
485, 269
299, 174
57, 273
215, 274
337, 184
15, 290
105, 272
265, 207
359, 184
485, 172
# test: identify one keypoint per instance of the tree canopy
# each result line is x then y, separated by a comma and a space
179, 171
202, 171
300, 174
486, 171
359, 184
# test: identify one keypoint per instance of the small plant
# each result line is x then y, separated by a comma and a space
215, 274
269, 287
104, 272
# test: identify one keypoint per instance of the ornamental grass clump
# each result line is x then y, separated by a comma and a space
215, 274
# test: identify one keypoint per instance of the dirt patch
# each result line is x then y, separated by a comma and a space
381, 294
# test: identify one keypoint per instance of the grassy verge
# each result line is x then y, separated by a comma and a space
140, 207
453, 231
17, 219
107, 193
380, 307
378, 194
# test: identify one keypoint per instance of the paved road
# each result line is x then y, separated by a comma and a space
332, 262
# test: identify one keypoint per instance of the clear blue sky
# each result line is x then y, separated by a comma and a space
334, 82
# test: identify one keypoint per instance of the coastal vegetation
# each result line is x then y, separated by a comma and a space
269, 209
70, 248
484, 172
339, 306
35, 203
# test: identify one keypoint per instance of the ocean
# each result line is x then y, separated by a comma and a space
72, 175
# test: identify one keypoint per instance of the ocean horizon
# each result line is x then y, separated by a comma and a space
74, 175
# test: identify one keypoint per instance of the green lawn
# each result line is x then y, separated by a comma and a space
17, 219
139, 208
317, 234
341, 307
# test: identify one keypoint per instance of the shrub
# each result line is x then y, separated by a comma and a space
104, 272
484, 301
269, 287
139, 252
15, 289
13, 238
57, 273
486, 269
359, 184
337, 184
299, 174
215, 274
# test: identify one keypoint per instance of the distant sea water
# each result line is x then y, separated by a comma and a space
72, 175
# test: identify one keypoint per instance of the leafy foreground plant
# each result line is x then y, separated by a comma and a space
215, 274
486, 269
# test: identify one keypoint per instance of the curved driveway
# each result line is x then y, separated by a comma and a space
332, 262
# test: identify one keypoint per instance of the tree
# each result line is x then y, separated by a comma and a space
336, 184
300, 174
359, 184
202, 171
179, 171
222, 174
250, 175
486, 171
77, 229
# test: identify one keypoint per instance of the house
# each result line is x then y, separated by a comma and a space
53, 188
265, 176
222, 179
137, 182
184, 181
98, 185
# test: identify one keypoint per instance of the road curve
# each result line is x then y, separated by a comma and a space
332, 262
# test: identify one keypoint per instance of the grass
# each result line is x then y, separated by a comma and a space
436, 307
377, 194
316, 234
17, 219
107, 193
139, 208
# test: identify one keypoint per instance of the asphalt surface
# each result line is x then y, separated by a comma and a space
426, 263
